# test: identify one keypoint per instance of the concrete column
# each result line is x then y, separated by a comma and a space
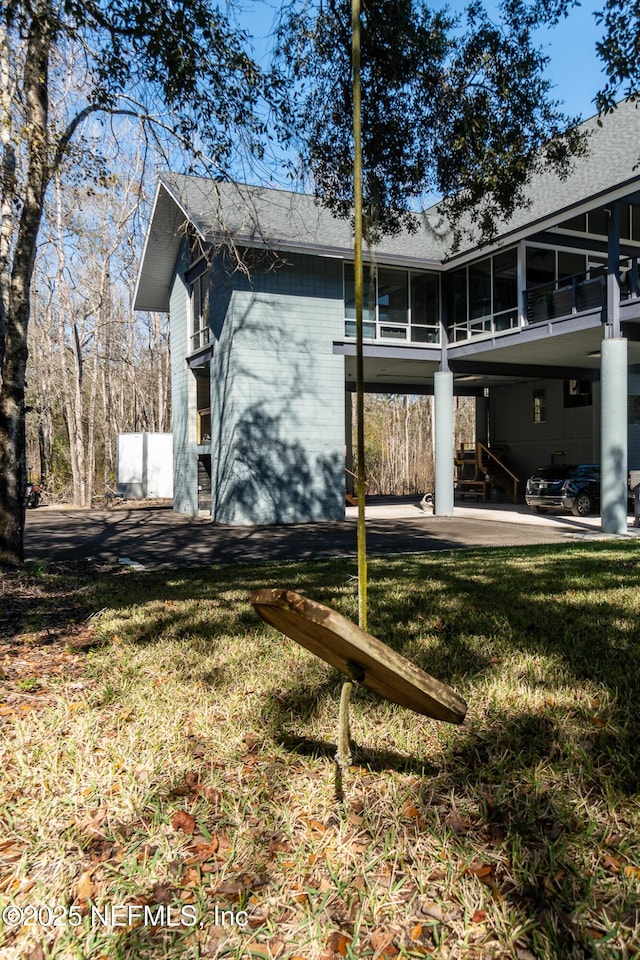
443, 442
613, 420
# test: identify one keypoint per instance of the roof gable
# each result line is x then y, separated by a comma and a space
285, 221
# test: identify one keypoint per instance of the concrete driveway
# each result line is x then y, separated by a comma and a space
159, 538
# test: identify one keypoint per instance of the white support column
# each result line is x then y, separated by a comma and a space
443, 442
613, 419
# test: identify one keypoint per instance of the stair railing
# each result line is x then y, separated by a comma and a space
480, 449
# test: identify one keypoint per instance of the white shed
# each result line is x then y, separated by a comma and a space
145, 466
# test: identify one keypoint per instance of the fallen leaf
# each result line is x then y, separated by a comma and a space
457, 824
479, 916
338, 942
184, 821
314, 826
480, 870
92, 827
231, 890
382, 943
611, 863
36, 953
84, 886
161, 893
631, 871
436, 912
416, 932
190, 877
272, 949
204, 851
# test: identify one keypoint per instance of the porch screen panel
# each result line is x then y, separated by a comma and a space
505, 290
480, 289
505, 281
541, 266
369, 302
393, 304
458, 304
425, 307
570, 263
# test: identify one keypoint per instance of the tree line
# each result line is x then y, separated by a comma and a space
95, 368
399, 441
456, 105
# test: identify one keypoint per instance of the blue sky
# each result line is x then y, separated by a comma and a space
574, 68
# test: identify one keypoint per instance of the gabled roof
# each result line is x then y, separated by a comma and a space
293, 222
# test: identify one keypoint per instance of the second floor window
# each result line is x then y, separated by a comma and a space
199, 296
397, 305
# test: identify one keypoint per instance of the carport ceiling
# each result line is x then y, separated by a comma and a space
387, 373
384, 375
499, 360
567, 356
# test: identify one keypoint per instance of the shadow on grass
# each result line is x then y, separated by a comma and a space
510, 786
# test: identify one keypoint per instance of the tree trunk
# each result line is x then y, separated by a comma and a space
13, 360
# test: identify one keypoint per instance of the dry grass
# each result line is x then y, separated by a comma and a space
178, 755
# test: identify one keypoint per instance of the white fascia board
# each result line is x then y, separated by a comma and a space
151, 291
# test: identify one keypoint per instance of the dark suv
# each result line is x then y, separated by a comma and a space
565, 487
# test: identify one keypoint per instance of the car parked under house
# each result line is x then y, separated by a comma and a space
565, 487
541, 327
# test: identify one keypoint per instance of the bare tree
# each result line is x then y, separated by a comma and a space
131, 69
107, 368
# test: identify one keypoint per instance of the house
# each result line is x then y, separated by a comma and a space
542, 326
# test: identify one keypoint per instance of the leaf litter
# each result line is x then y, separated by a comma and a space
487, 848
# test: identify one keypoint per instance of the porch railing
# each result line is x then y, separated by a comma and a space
583, 291
560, 298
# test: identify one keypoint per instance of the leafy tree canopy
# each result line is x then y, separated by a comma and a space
180, 66
458, 107
620, 51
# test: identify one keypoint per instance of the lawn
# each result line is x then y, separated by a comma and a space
168, 780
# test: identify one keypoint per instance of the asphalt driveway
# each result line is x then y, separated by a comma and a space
159, 538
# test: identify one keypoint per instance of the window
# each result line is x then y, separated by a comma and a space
199, 295
483, 297
203, 404
369, 310
393, 304
397, 305
539, 407
577, 393
596, 222
425, 307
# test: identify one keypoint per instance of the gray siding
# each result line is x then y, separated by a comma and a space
529, 445
278, 395
185, 497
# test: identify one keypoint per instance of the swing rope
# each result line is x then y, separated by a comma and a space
343, 756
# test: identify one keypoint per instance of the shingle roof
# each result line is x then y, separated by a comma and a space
263, 215
609, 166
266, 217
